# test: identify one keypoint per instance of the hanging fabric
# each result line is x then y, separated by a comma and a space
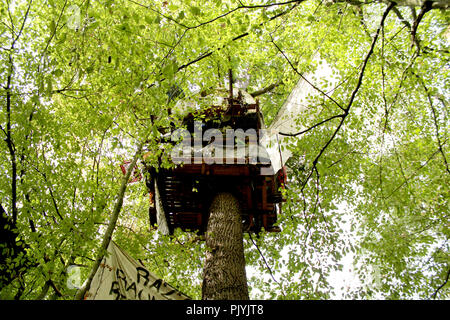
120, 277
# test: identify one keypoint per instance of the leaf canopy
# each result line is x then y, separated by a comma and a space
83, 82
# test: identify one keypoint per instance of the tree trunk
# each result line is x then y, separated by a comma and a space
112, 223
434, 4
224, 275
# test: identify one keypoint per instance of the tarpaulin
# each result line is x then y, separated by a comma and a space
120, 277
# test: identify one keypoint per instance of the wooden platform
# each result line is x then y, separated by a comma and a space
187, 193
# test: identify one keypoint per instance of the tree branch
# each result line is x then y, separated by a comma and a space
241, 6
363, 68
8, 140
267, 265
436, 126
353, 94
57, 292
209, 53
402, 19
44, 291
10, 144
427, 6
266, 89
312, 127
435, 4
22, 26
442, 285
112, 223
50, 191
53, 33
413, 175
303, 77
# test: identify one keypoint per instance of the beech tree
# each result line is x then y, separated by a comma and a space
83, 83
224, 276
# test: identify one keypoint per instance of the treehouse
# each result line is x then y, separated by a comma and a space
222, 147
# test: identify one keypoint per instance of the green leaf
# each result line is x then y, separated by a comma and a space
52, 26
149, 20
57, 72
49, 86
35, 99
94, 25
62, 37
180, 16
170, 69
41, 86
90, 69
195, 10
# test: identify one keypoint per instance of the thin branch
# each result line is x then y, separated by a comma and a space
1, 128
241, 6
57, 292
435, 4
44, 291
161, 14
414, 56
112, 223
265, 262
114, 121
264, 259
360, 13
363, 68
209, 53
442, 285
52, 35
317, 204
22, 26
353, 94
413, 12
413, 175
172, 49
303, 77
436, 126
428, 227
402, 19
50, 191
316, 160
99, 151
427, 6
343, 157
312, 127
9, 142
266, 89
248, 7
383, 85
10, 18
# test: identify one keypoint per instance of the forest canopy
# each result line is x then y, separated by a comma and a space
84, 83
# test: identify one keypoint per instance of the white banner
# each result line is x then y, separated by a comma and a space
120, 277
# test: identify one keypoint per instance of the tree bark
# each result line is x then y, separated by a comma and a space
435, 4
224, 276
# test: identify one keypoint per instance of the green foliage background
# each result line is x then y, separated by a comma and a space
80, 81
